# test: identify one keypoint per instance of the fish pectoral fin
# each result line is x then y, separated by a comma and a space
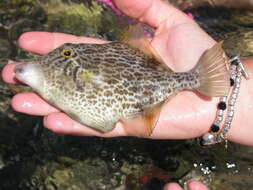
144, 123
136, 37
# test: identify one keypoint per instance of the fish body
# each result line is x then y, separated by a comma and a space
101, 84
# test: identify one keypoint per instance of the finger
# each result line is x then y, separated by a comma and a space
8, 74
196, 185
63, 124
44, 42
152, 12
172, 186
31, 103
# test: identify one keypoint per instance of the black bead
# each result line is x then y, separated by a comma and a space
201, 142
235, 62
222, 106
215, 128
232, 82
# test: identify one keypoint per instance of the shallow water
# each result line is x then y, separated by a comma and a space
34, 158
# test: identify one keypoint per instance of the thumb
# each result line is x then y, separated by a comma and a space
174, 33
152, 12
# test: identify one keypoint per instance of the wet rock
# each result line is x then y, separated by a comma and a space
190, 4
232, 26
4, 49
1, 162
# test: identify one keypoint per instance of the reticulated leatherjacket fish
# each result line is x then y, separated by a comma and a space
101, 84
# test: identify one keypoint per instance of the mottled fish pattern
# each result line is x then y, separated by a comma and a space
101, 84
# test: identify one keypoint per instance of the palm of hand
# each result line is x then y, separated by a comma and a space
188, 114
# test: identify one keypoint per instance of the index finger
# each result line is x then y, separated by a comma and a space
44, 42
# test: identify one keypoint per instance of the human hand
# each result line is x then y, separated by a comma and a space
179, 41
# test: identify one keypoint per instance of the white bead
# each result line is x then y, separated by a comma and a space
232, 102
219, 118
231, 108
234, 95
220, 113
236, 90
231, 113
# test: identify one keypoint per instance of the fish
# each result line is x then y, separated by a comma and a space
125, 81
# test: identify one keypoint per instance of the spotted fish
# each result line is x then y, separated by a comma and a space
101, 84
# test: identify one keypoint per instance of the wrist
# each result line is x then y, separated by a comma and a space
241, 130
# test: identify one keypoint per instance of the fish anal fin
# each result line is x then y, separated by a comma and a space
144, 123
151, 117
136, 37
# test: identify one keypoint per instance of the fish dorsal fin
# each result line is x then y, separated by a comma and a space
136, 37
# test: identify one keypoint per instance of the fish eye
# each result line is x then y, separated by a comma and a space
67, 53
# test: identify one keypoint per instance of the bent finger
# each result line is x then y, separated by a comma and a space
196, 185
63, 124
172, 186
8, 74
33, 104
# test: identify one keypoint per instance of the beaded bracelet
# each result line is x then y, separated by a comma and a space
217, 135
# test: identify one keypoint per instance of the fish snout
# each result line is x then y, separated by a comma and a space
19, 69
21, 72
29, 74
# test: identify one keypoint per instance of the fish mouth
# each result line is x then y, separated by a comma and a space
20, 72
29, 74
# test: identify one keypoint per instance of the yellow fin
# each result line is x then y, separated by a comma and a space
136, 37
151, 117
143, 124
214, 76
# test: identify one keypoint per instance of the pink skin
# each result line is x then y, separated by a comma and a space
192, 185
180, 42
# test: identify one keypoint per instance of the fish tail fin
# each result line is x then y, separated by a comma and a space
213, 72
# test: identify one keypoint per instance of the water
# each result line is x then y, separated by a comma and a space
34, 158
